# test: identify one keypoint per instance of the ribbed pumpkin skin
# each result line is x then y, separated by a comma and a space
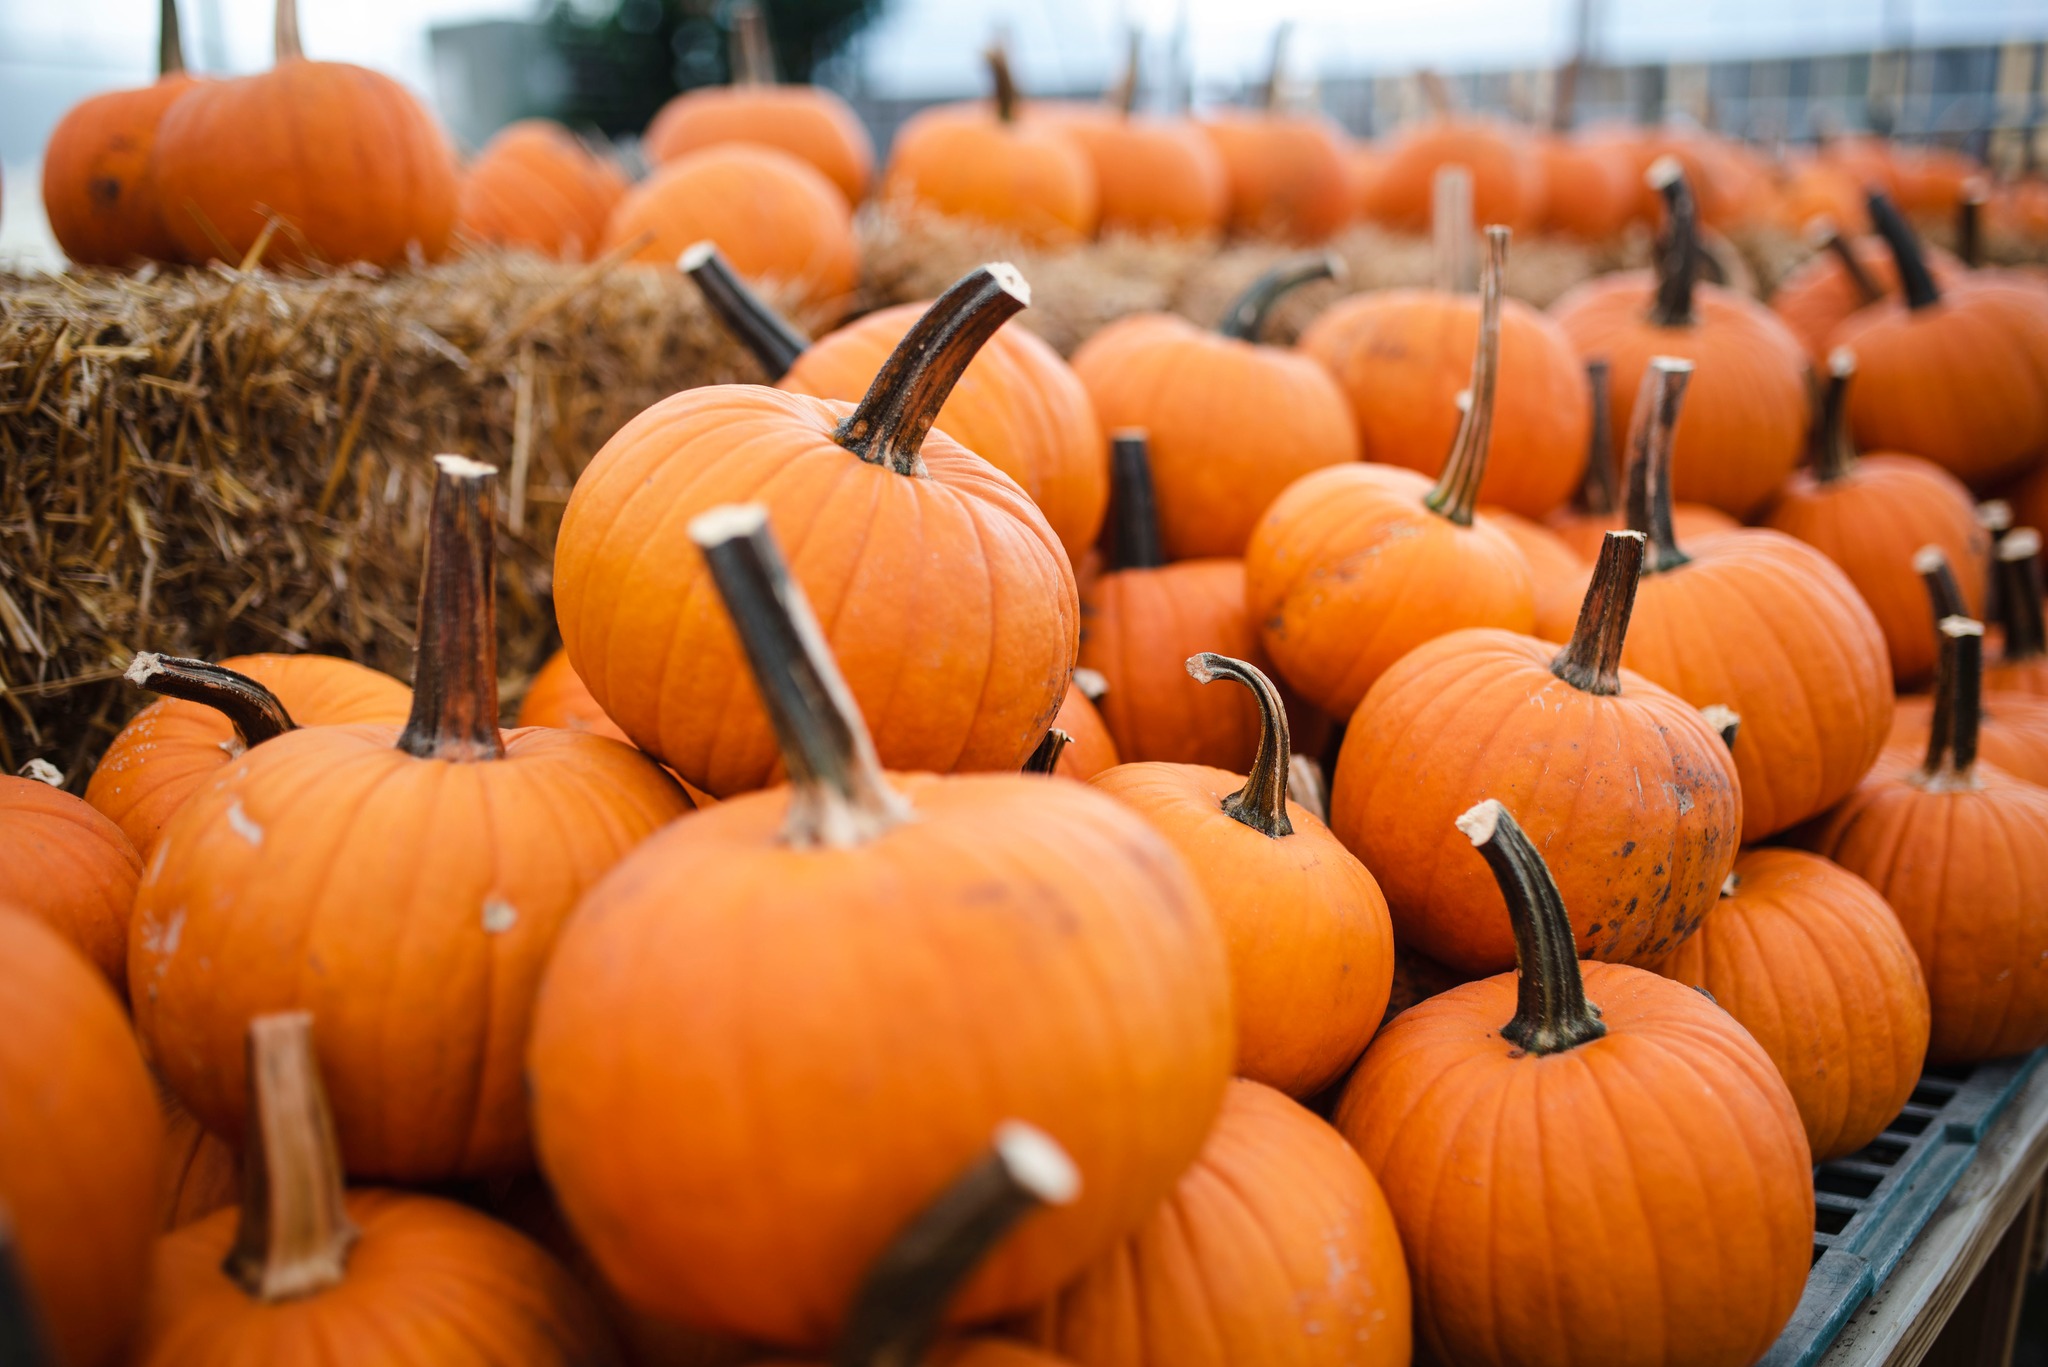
808, 122
1090, 750
329, 871
1584, 532
1403, 356
1026, 178
948, 600
1770, 627
356, 165
429, 1284
1276, 1248
70, 868
1231, 424
78, 1151
97, 190
1156, 177
1815, 965
895, 997
1555, 569
1288, 178
535, 186
1574, 1209
1631, 797
169, 749
1818, 295
1744, 427
2013, 733
557, 697
197, 1171
1018, 406
1507, 171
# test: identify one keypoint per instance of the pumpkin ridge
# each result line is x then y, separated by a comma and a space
1440, 1179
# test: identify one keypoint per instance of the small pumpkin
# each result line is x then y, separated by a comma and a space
69, 867
2022, 663
2012, 731
1589, 187
535, 186
1506, 167
1288, 176
1089, 749
1157, 177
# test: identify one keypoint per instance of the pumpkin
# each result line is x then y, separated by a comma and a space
97, 191
69, 867
1287, 173
932, 917
1562, 1148
1960, 850
197, 1171
1231, 422
1812, 962
962, 669
1089, 748
1844, 275
78, 1151
1506, 167
1355, 565
304, 1272
209, 715
1870, 514
535, 186
405, 886
1589, 188
1557, 573
1747, 420
1311, 949
2012, 729
2022, 666
1157, 178
557, 697
1276, 1248
1811, 191
345, 162
1628, 786
1729, 181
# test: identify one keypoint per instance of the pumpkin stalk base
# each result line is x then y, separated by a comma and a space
1958, 710
1591, 662
744, 314
1551, 1010
455, 683
1262, 803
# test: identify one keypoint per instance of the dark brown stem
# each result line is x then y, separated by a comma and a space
1591, 663
838, 795
1276, 67
744, 314
1970, 223
1994, 515
1246, 318
1825, 235
22, 1343
1262, 803
1450, 226
1958, 706
1133, 505
1003, 82
1046, 758
1551, 1010
2020, 595
1726, 721
1651, 430
753, 58
288, 45
1597, 492
170, 50
902, 1302
1456, 493
889, 425
455, 672
1915, 280
1678, 254
1944, 594
293, 1235
253, 710
1832, 447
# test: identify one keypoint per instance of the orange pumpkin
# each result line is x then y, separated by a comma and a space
534, 185
961, 670
1157, 178
1506, 165
1089, 748
931, 916
1287, 173
197, 1171
69, 867
557, 697
1846, 274
1556, 572
2022, 663
2012, 730
1231, 422
78, 1150
1589, 187
1562, 1148
1813, 192
406, 886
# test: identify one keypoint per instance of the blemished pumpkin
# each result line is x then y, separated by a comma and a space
1574, 1068
1814, 964
1288, 177
1311, 948
1506, 166
1628, 787
406, 886
302, 1272
1355, 565
345, 161
887, 945
535, 186
1846, 274
2022, 663
1277, 1248
1231, 422
78, 1150
952, 602
70, 868
1089, 748
1960, 850
1747, 419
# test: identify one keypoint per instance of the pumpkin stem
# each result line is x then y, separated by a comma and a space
1004, 81
1262, 803
1651, 430
1958, 707
1127, 85
455, 672
1246, 318
889, 425
1832, 447
1915, 280
1092, 683
170, 49
288, 45
2020, 595
21, 1336
253, 710
1305, 786
43, 772
743, 313
1046, 758
1451, 229
1725, 720
902, 1301
1823, 233
1970, 221
293, 1235
1678, 255
1276, 67
1591, 663
838, 795
1457, 490
753, 57
1995, 516
1597, 493
1133, 504
1943, 592
1551, 1010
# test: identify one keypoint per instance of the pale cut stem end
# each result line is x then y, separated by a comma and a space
1725, 720
1552, 1013
766, 334
1262, 803
1092, 683
43, 772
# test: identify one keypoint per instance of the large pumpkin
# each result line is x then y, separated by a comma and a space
1507, 168
2022, 663
70, 868
1287, 173
1564, 1150
535, 186
912, 960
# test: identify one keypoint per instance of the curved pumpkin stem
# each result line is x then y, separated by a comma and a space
1046, 758
889, 425
1003, 82
753, 57
253, 710
1591, 663
2020, 596
1958, 708
1597, 492
1456, 493
1916, 282
1451, 230
1262, 803
170, 49
901, 1303
288, 46
1551, 1010
1943, 592
293, 1235
1135, 543
1651, 431
1825, 236
22, 1343
745, 314
838, 795
1245, 320
1832, 447
1678, 255
455, 676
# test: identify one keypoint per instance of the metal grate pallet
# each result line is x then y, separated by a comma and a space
1871, 1205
